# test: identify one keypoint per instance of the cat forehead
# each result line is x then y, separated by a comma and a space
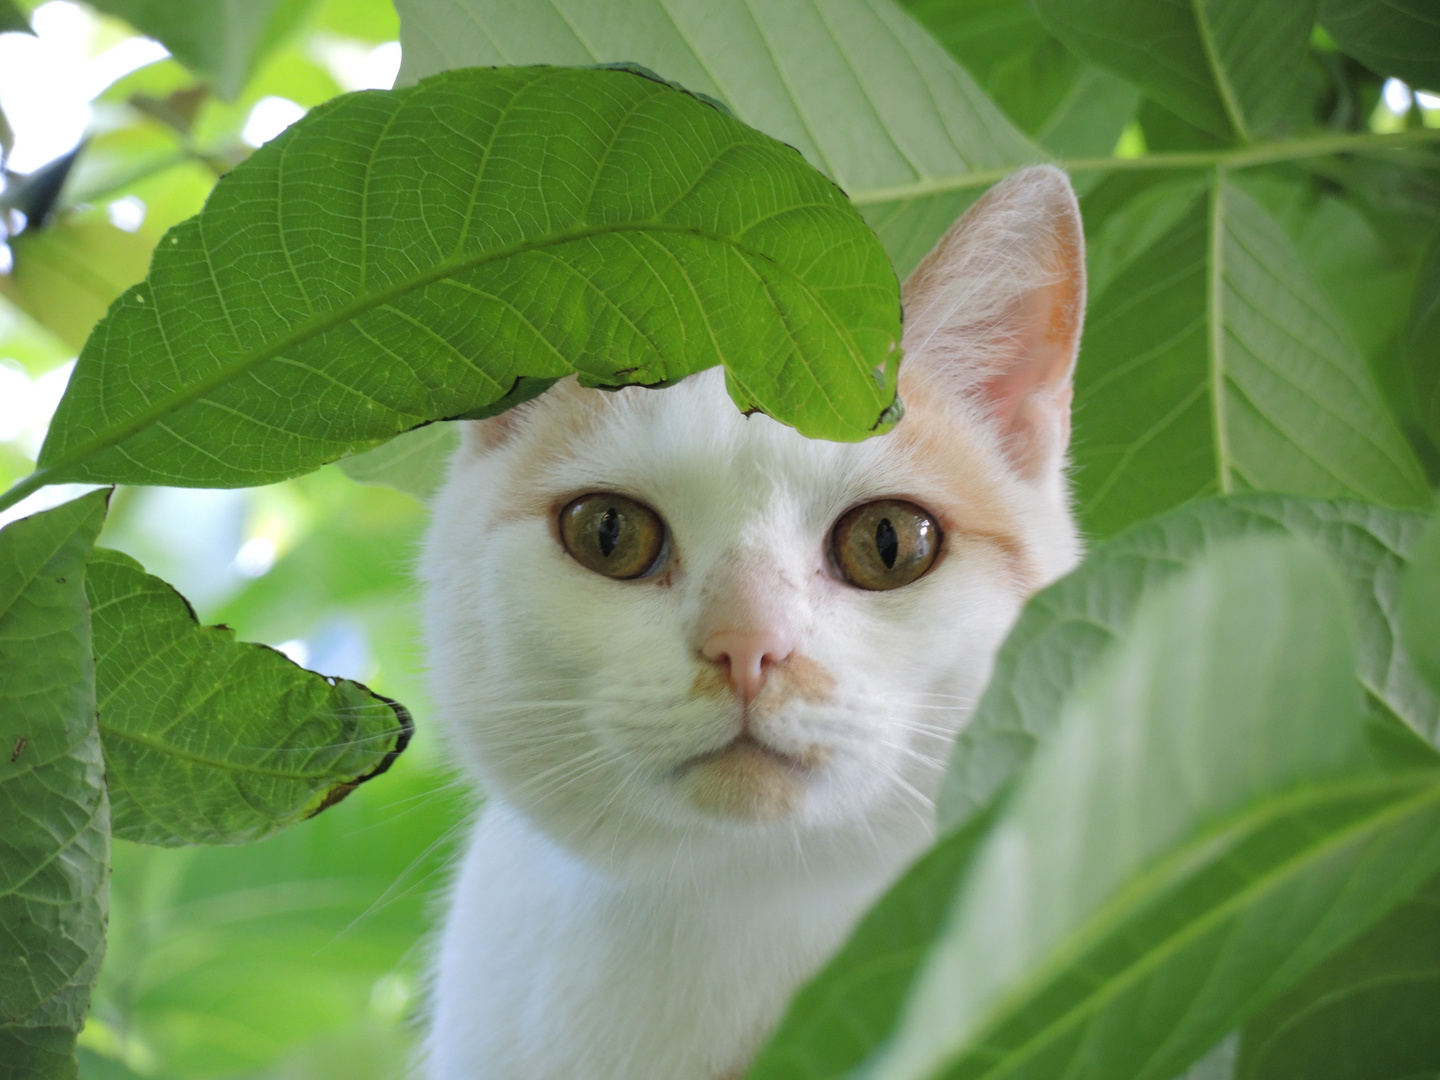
688, 443
712, 471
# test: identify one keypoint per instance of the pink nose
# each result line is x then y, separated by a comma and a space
748, 655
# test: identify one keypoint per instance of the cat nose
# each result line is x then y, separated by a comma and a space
748, 655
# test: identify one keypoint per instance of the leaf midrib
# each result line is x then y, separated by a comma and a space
239, 366
1105, 923
1217, 72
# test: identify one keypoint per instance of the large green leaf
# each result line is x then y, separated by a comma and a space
1422, 342
1395, 37
1067, 627
220, 40
500, 224
1070, 108
862, 91
850, 1008
212, 741
1420, 604
55, 843
1203, 829
1213, 363
1226, 66
1367, 1013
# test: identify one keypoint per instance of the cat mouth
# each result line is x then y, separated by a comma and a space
747, 779
746, 746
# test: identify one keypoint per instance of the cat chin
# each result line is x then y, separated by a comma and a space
748, 779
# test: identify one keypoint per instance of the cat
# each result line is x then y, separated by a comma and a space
707, 672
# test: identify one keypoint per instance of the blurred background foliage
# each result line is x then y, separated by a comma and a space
299, 958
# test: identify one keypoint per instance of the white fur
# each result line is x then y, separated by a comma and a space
601, 926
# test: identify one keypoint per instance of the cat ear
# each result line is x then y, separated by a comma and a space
993, 314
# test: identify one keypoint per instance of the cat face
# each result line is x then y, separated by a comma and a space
650, 615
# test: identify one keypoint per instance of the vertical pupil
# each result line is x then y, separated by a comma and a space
610, 532
887, 543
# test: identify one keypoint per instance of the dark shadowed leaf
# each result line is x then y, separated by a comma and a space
1202, 830
500, 223
862, 91
1224, 65
213, 741
1422, 342
1066, 628
12, 21
1395, 37
55, 838
1367, 1013
1420, 604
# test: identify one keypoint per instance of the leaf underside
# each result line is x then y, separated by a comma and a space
213, 741
1203, 828
404, 256
55, 842
1212, 363
863, 92
1065, 628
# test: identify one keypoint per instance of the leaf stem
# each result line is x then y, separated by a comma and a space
1239, 157
1216, 332
23, 487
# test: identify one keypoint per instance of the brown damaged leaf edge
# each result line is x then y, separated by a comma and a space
407, 731
403, 735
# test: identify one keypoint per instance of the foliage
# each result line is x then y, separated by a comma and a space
52, 874
251, 742
1197, 805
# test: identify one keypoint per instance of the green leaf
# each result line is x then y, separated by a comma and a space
1395, 37
368, 20
211, 741
12, 20
849, 1009
1422, 342
1367, 1013
417, 461
55, 844
414, 463
66, 276
1420, 604
220, 40
1067, 627
862, 91
1202, 830
1070, 108
1226, 66
499, 224
1213, 363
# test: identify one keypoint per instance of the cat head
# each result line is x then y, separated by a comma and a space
651, 616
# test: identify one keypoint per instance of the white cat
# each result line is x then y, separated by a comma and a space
707, 671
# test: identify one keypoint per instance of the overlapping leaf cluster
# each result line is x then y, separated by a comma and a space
1199, 805
399, 258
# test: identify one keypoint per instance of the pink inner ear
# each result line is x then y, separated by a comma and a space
1029, 396
993, 313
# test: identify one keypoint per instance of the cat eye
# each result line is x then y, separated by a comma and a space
885, 544
612, 535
